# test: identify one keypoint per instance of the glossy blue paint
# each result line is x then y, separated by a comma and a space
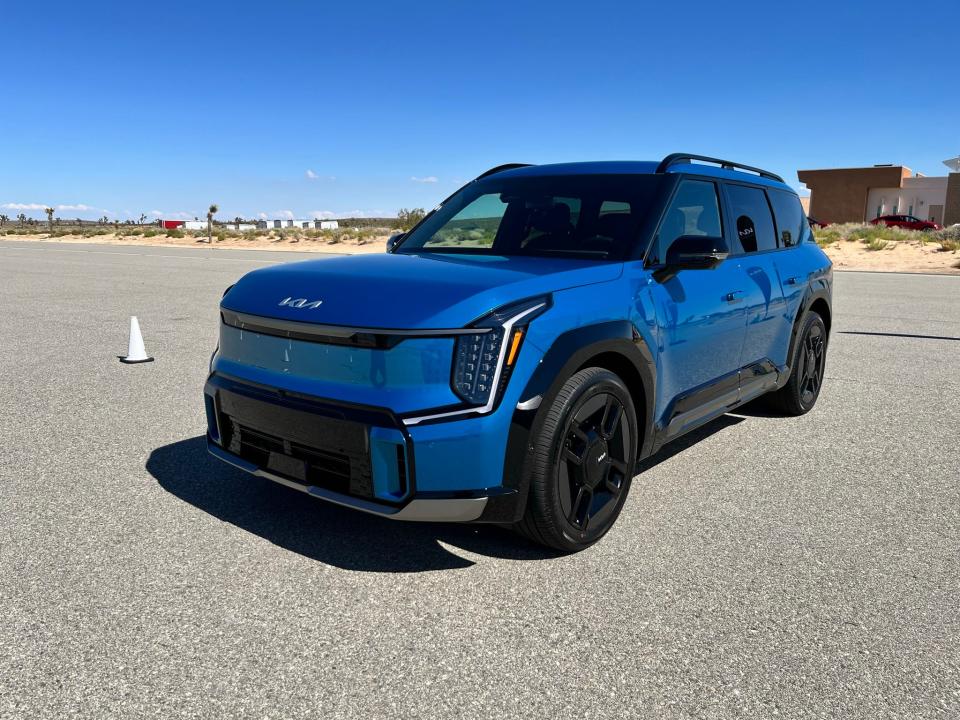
385, 443
764, 305
406, 291
699, 326
413, 375
700, 331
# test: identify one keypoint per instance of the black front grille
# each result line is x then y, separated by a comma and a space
311, 449
324, 468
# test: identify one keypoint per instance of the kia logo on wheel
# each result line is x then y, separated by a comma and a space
300, 303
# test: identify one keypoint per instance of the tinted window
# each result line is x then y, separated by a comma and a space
791, 225
694, 210
751, 217
591, 216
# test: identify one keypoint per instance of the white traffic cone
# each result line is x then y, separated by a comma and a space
136, 352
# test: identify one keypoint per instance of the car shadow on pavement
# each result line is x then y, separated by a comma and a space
689, 440
321, 531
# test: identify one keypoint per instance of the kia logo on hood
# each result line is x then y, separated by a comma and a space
300, 303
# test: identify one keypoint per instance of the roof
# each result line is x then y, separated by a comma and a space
638, 167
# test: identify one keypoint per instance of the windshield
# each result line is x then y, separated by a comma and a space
587, 216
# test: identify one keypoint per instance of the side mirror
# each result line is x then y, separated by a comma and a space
393, 240
696, 252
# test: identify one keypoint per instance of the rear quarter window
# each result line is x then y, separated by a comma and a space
792, 226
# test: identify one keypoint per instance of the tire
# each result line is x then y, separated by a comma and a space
807, 366
583, 460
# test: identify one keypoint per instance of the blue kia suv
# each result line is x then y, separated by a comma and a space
514, 356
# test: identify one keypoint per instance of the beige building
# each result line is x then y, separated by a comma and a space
860, 194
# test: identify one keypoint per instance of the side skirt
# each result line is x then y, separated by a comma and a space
699, 406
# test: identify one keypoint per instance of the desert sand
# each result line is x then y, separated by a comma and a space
352, 246
899, 256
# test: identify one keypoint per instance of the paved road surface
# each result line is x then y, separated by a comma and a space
764, 567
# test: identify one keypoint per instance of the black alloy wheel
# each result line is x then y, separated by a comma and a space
584, 453
812, 358
807, 364
592, 467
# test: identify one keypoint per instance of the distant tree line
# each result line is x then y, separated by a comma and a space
406, 219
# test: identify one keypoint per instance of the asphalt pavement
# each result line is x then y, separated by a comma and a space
763, 567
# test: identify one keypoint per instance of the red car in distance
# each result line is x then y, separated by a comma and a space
908, 222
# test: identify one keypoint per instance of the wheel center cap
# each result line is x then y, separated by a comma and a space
598, 457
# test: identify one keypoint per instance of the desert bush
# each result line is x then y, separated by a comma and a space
864, 232
175, 233
949, 238
406, 219
150, 233
948, 233
876, 244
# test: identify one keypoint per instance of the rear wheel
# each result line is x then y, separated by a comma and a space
583, 462
807, 365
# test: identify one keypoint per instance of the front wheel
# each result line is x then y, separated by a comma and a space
583, 462
807, 365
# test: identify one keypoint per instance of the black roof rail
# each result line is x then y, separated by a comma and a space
501, 168
677, 158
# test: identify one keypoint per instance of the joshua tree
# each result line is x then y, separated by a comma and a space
49, 211
142, 218
237, 220
21, 218
3, 220
406, 219
210, 213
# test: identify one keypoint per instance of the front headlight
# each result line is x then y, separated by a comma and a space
484, 361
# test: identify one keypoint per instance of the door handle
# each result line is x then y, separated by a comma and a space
791, 280
734, 297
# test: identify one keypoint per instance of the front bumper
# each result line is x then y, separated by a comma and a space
363, 457
417, 509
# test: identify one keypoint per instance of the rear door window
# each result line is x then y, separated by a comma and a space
752, 220
792, 226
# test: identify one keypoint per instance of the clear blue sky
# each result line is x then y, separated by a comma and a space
133, 107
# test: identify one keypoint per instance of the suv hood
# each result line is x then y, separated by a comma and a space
400, 291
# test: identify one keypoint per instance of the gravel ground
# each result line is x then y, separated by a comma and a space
763, 567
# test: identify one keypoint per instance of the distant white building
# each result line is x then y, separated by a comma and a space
202, 225
303, 224
922, 196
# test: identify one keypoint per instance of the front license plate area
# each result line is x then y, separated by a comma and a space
286, 465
